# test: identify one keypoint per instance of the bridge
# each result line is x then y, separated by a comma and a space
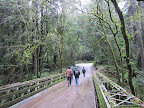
94, 91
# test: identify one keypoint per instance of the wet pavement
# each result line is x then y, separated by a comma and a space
62, 96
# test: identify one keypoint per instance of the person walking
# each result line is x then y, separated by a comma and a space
76, 74
69, 73
84, 71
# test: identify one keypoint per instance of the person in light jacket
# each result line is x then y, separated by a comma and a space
69, 73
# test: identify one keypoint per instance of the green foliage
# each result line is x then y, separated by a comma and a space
94, 63
2, 81
24, 37
139, 82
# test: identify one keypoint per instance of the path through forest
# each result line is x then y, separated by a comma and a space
62, 96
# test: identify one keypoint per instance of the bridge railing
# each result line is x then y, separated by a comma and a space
111, 95
14, 93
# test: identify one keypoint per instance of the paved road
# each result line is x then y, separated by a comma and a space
62, 96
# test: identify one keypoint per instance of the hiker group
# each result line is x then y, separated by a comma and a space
70, 72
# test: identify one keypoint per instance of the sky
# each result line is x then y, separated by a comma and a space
85, 1
121, 4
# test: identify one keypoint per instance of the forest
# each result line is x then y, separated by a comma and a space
43, 36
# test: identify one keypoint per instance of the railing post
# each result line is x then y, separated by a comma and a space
38, 84
3, 100
51, 80
22, 95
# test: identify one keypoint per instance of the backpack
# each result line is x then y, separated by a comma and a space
83, 70
76, 72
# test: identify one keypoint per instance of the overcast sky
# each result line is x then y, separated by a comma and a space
121, 4
85, 2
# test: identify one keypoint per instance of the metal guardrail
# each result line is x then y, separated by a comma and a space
14, 93
111, 95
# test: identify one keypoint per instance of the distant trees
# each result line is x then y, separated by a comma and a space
32, 38
39, 36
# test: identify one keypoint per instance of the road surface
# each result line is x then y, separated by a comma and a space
62, 96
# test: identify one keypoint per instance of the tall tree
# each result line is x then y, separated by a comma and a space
138, 30
127, 57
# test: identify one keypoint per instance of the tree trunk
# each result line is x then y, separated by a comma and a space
121, 59
41, 46
35, 65
61, 53
110, 47
138, 33
61, 62
118, 46
127, 57
21, 72
61, 46
112, 52
142, 21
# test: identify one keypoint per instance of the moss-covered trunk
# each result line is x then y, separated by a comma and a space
112, 52
121, 59
123, 30
115, 32
110, 47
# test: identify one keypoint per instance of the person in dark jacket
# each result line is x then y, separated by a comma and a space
83, 70
76, 74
